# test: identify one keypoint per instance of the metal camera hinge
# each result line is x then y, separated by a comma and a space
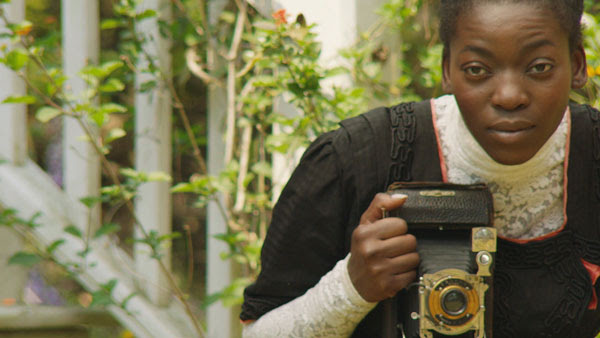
465, 292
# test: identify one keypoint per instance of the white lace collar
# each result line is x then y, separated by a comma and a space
528, 198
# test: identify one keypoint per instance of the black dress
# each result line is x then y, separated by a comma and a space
541, 288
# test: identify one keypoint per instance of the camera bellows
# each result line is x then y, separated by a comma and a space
438, 253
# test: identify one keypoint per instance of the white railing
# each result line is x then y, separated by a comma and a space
27, 189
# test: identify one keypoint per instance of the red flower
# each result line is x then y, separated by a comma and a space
279, 17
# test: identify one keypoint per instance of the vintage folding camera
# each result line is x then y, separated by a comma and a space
457, 244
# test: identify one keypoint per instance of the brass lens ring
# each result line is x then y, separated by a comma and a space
453, 302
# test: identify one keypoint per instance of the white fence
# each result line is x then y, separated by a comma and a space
26, 188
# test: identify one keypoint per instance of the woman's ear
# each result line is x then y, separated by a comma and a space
579, 68
446, 83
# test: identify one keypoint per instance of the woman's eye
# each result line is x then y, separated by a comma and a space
475, 71
540, 68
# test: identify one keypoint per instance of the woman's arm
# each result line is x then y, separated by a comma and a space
381, 263
332, 308
300, 286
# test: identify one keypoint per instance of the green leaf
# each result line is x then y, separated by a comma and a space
98, 117
232, 294
31, 222
46, 114
149, 13
73, 230
102, 71
17, 58
22, 28
111, 86
227, 238
107, 229
83, 253
26, 99
91, 74
114, 134
54, 245
111, 66
88, 93
262, 168
100, 299
183, 187
212, 299
169, 237
130, 172
110, 108
159, 176
109, 286
24, 258
147, 86
90, 201
127, 299
265, 25
228, 17
111, 24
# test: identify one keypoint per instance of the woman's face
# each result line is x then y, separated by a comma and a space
511, 70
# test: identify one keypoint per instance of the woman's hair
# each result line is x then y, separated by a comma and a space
568, 12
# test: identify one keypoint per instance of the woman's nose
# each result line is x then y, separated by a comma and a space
510, 93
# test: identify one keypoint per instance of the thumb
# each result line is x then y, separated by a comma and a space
382, 202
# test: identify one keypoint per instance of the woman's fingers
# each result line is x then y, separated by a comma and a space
381, 202
383, 256
384, 238
398, 246
378, 279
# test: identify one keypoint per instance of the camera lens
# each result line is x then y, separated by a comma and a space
454, 302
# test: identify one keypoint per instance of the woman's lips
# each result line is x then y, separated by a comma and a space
511, 126
510, 131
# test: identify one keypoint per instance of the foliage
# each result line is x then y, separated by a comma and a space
407, 34
591, 92
38, 252
273, 57
93, 109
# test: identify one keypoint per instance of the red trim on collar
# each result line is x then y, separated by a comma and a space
594, 271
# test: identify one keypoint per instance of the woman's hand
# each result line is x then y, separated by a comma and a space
383, 256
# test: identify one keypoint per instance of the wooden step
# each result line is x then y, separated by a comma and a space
49, 318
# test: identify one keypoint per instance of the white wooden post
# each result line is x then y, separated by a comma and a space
219, 272
13, 126
367, 16
283, 164
220, 320
153, 151
13, 149
81, 45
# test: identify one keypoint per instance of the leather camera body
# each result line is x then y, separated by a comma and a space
456, 243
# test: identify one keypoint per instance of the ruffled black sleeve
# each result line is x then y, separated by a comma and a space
308, 231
